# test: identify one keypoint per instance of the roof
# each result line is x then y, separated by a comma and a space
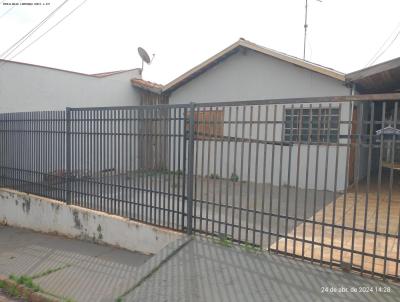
110, 73
380, 78
96, 75
242, 43
146, 85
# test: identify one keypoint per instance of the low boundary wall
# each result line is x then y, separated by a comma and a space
52, 216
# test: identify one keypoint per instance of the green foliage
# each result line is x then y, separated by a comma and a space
234, 177
25, 281
2, 284
13, 291
177, 172
28, 282
224, 240
119, 299
251, 248
214, 176
13, 277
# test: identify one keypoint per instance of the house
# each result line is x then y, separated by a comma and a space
27, 87
245, 71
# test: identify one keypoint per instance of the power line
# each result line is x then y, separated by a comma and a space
38, 38
13, 47
391, 43
376, 56
9, 10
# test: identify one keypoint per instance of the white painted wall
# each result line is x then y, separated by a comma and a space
25, 87
254, 76
52, 216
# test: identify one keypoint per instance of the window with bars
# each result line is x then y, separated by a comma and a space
316, 125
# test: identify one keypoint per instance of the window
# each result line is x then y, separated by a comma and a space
208, 125
312, 125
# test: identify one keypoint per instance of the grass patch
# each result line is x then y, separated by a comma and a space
26, 281
224, 240
28, 286
251, 248
13, 291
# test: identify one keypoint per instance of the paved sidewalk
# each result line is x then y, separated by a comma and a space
85, 271
186, 270
206, 271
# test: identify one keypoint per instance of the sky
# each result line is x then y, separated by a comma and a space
104, 35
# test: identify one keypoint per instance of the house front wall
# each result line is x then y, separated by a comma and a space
26, 87
253, 76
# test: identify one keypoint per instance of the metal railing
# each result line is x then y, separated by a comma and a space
315, 179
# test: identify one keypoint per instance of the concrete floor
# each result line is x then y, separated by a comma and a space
219, 203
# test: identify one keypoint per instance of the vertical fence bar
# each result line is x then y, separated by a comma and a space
190, 170
184, 158
392, 151
68, 153
370, 136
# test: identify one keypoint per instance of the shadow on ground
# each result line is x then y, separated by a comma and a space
206, 271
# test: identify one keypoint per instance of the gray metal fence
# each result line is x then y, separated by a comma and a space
315, 179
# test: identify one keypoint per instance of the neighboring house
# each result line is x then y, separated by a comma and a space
27, 87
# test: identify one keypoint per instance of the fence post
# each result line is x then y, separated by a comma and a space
68, 153
190, 170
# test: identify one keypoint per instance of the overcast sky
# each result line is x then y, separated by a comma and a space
103, 35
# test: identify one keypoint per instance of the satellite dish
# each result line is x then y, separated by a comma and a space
144, 55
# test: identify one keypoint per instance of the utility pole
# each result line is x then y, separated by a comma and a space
305, 30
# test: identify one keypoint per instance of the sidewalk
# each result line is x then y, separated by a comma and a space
207, 271
186, 270
73, 269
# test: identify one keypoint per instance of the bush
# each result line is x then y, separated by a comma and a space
234, 177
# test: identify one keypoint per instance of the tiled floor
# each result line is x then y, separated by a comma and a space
378, 214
